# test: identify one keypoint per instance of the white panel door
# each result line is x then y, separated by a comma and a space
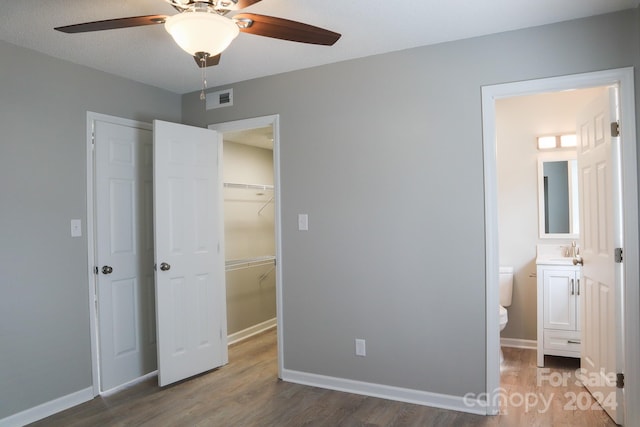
190, 296
124, 253
600, 206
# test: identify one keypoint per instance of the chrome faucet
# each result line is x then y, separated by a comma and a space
577, 259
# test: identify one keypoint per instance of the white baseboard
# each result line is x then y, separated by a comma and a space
251, 331
519, 343
48, 408
128, 384
455, 403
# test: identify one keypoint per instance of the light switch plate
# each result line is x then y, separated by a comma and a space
76, 228
303, 222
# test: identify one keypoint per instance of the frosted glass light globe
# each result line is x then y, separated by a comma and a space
201, 32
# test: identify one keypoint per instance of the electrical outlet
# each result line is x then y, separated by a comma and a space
361, 347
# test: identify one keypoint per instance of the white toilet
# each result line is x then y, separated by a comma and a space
506, 292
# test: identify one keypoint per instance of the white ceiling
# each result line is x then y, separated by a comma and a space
368, 27
258, 137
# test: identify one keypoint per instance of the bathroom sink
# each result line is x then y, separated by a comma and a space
555, 260
551, 254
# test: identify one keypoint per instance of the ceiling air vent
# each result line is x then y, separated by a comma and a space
222, 98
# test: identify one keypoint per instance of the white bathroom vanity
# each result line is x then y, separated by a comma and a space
559, 291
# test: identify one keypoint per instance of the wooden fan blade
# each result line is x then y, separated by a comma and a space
245, 3
279, 28
112, 24
210, 61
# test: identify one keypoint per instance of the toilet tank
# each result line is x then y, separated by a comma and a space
506, 286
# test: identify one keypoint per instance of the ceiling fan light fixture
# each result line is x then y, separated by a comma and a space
201, 32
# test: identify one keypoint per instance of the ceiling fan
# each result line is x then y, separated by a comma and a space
203, 30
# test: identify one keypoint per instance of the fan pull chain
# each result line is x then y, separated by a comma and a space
203, 60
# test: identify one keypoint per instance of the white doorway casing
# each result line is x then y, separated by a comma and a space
253, 123
624, 79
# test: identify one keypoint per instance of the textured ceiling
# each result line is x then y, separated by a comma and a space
368, 27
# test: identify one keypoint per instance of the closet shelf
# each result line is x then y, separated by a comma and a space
238, 264
248, 186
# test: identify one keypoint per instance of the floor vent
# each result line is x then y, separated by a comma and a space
222, 98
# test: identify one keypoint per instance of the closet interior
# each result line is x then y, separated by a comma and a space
249, 229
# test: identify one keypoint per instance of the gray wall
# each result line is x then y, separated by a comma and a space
44, 316
385, 155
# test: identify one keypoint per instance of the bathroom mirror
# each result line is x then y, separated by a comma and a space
558, 196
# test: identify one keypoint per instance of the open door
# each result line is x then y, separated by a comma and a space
190, 295
601, 210
123, 255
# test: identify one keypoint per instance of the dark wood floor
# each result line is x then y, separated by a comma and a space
247, 393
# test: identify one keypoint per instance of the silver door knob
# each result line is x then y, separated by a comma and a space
165, 267
107, 269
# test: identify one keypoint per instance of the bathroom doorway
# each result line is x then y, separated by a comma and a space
491, 95
530, 179
250, 170
519, 121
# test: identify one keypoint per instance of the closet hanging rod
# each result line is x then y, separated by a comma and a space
237, 264
248, 186
244, 266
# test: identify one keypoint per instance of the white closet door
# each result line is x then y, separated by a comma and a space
190, 303
124, 253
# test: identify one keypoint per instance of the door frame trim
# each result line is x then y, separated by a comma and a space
90, 230
624, 78
274, 122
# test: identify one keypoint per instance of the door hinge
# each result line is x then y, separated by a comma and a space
618, 255
620, 380
615, 129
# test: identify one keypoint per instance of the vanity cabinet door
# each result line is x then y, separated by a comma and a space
560, 300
